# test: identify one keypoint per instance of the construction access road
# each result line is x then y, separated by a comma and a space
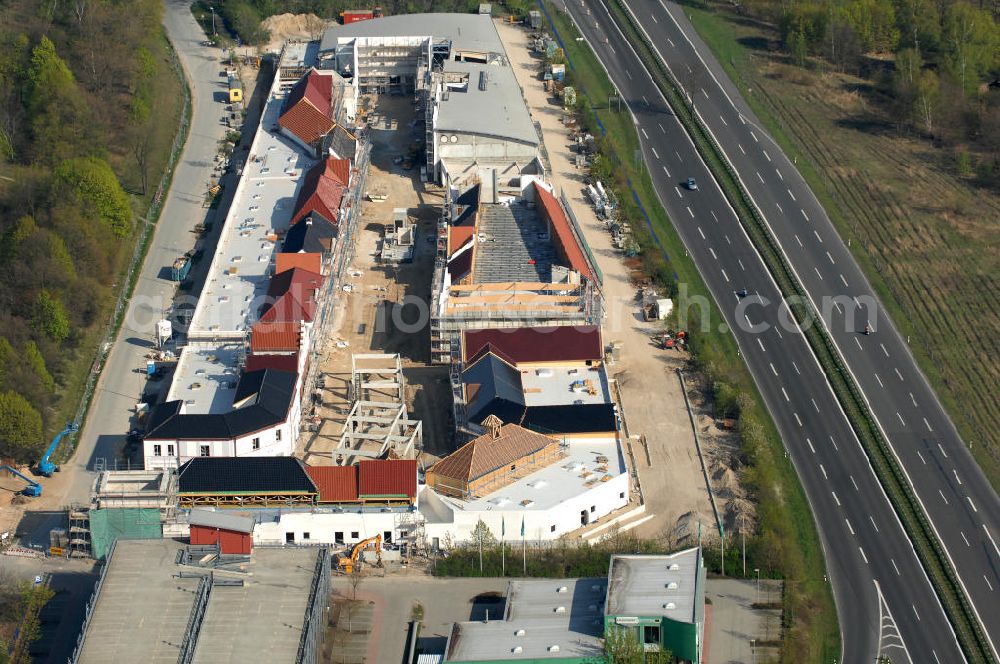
880, 588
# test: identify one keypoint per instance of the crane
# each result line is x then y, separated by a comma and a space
347, 563
45, 466
34, 489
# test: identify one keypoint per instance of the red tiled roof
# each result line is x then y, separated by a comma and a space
565, 243
568, 343
322, 190
289, 363
336, 484
387, 478
338, 169
292, 296
280, 336
307, 261
307, 108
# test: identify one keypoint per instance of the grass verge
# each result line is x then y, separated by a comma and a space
787, 543
970, 634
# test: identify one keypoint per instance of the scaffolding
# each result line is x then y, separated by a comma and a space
108, 525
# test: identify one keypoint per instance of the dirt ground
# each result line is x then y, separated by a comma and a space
378, 290
670, 474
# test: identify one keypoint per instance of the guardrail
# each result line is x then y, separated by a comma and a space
969, 631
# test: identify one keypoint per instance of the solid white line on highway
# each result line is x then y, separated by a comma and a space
797, 419
863, 554
943, 453
962, 533
988, 582
815, 405
837, 500
728, 241
842, 279
915, 611
817, 272
922, 457
761, 344
645, 100
786, 395
754, 137
893, 561
879, 381
662, 130
799, 241
928, 425
723, 121
811, 448
913, 399
858, 342
725, 275
773, 370
897, 373
666, 171
873, 522
790, 194
627, 73
766, 155
780, 176
956, 476
834, 444
655, 153
796, 367
778, 205
942, 496
678, 190
818, 237
849, 526
833, 262
692, 216
712, 251
645, 135
854, 483
713, 215
884, 350
652, 16
671, 42
900, 418
741, 264
760, 178
826, 477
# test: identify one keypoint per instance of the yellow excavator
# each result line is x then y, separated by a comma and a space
346, 563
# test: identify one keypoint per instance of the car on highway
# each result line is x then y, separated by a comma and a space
691, 184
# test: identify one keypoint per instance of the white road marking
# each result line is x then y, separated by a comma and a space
761, 344
678, 155
780, 176
780, 336
654, 18
962, 533
842, 278
799, 241
728, 241
898, 374
778, 205
849, 526
854, 483
703, 92
818, 237
666, 171
956, 476
796, 367
747, 319
678, 190
826, 477
645, 100
988, 582
692, 216
773, 370
815, 405
790, 194
943, 453
670, 41
992, 541
913, 399
884, 350
941, 493
973, 506
713, 215
817, 272
934, 652
863, 554
741, 148
629, 74
741, 264
901, 421
760, 178
928, 425
836, 500
879, 381
858, 342
655, 153
786, 395
725, 275
755, 140
712, 251
915, 611
856, 303
662, 130
811, 448
766, 154
832, 262
922, 457
893, 561
874, 525
723, 121
840, 309
797, 419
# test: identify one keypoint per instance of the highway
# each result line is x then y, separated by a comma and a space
962, 506
862, 537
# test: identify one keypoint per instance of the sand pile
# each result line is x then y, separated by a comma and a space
294, 26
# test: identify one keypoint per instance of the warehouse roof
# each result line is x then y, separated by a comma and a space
490, 104
205, 475
536, 344
665, 585
471, 32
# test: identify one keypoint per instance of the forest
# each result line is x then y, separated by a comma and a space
89, 103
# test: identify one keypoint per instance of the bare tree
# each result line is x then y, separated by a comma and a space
355, 579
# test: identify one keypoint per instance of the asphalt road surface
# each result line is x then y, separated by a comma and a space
864, 542
121, 383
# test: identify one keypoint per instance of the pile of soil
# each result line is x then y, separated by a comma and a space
294, 26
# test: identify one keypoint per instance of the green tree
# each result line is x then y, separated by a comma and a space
49, 316
7, 360
971, 44
18, 232
94, 182
621, 646
926, 99
54, 104
36, 361
20, 427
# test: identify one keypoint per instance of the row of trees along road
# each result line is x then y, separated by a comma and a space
87, 92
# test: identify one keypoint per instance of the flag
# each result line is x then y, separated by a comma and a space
522, 526
503, 527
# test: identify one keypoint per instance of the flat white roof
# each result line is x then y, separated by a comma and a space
241, 267
205, 377
563, 386
583, 468
647, 585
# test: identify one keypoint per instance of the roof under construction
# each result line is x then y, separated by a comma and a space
490, 452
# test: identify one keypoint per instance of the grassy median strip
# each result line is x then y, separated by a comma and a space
786, 544
970, 633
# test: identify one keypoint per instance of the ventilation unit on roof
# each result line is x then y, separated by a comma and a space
560, 609
562, 589
484, 79
672, 585
517, 650
669, 606
674, 567
554, 648
519, 632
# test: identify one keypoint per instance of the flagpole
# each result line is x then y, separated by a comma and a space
503, 547
524, 550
